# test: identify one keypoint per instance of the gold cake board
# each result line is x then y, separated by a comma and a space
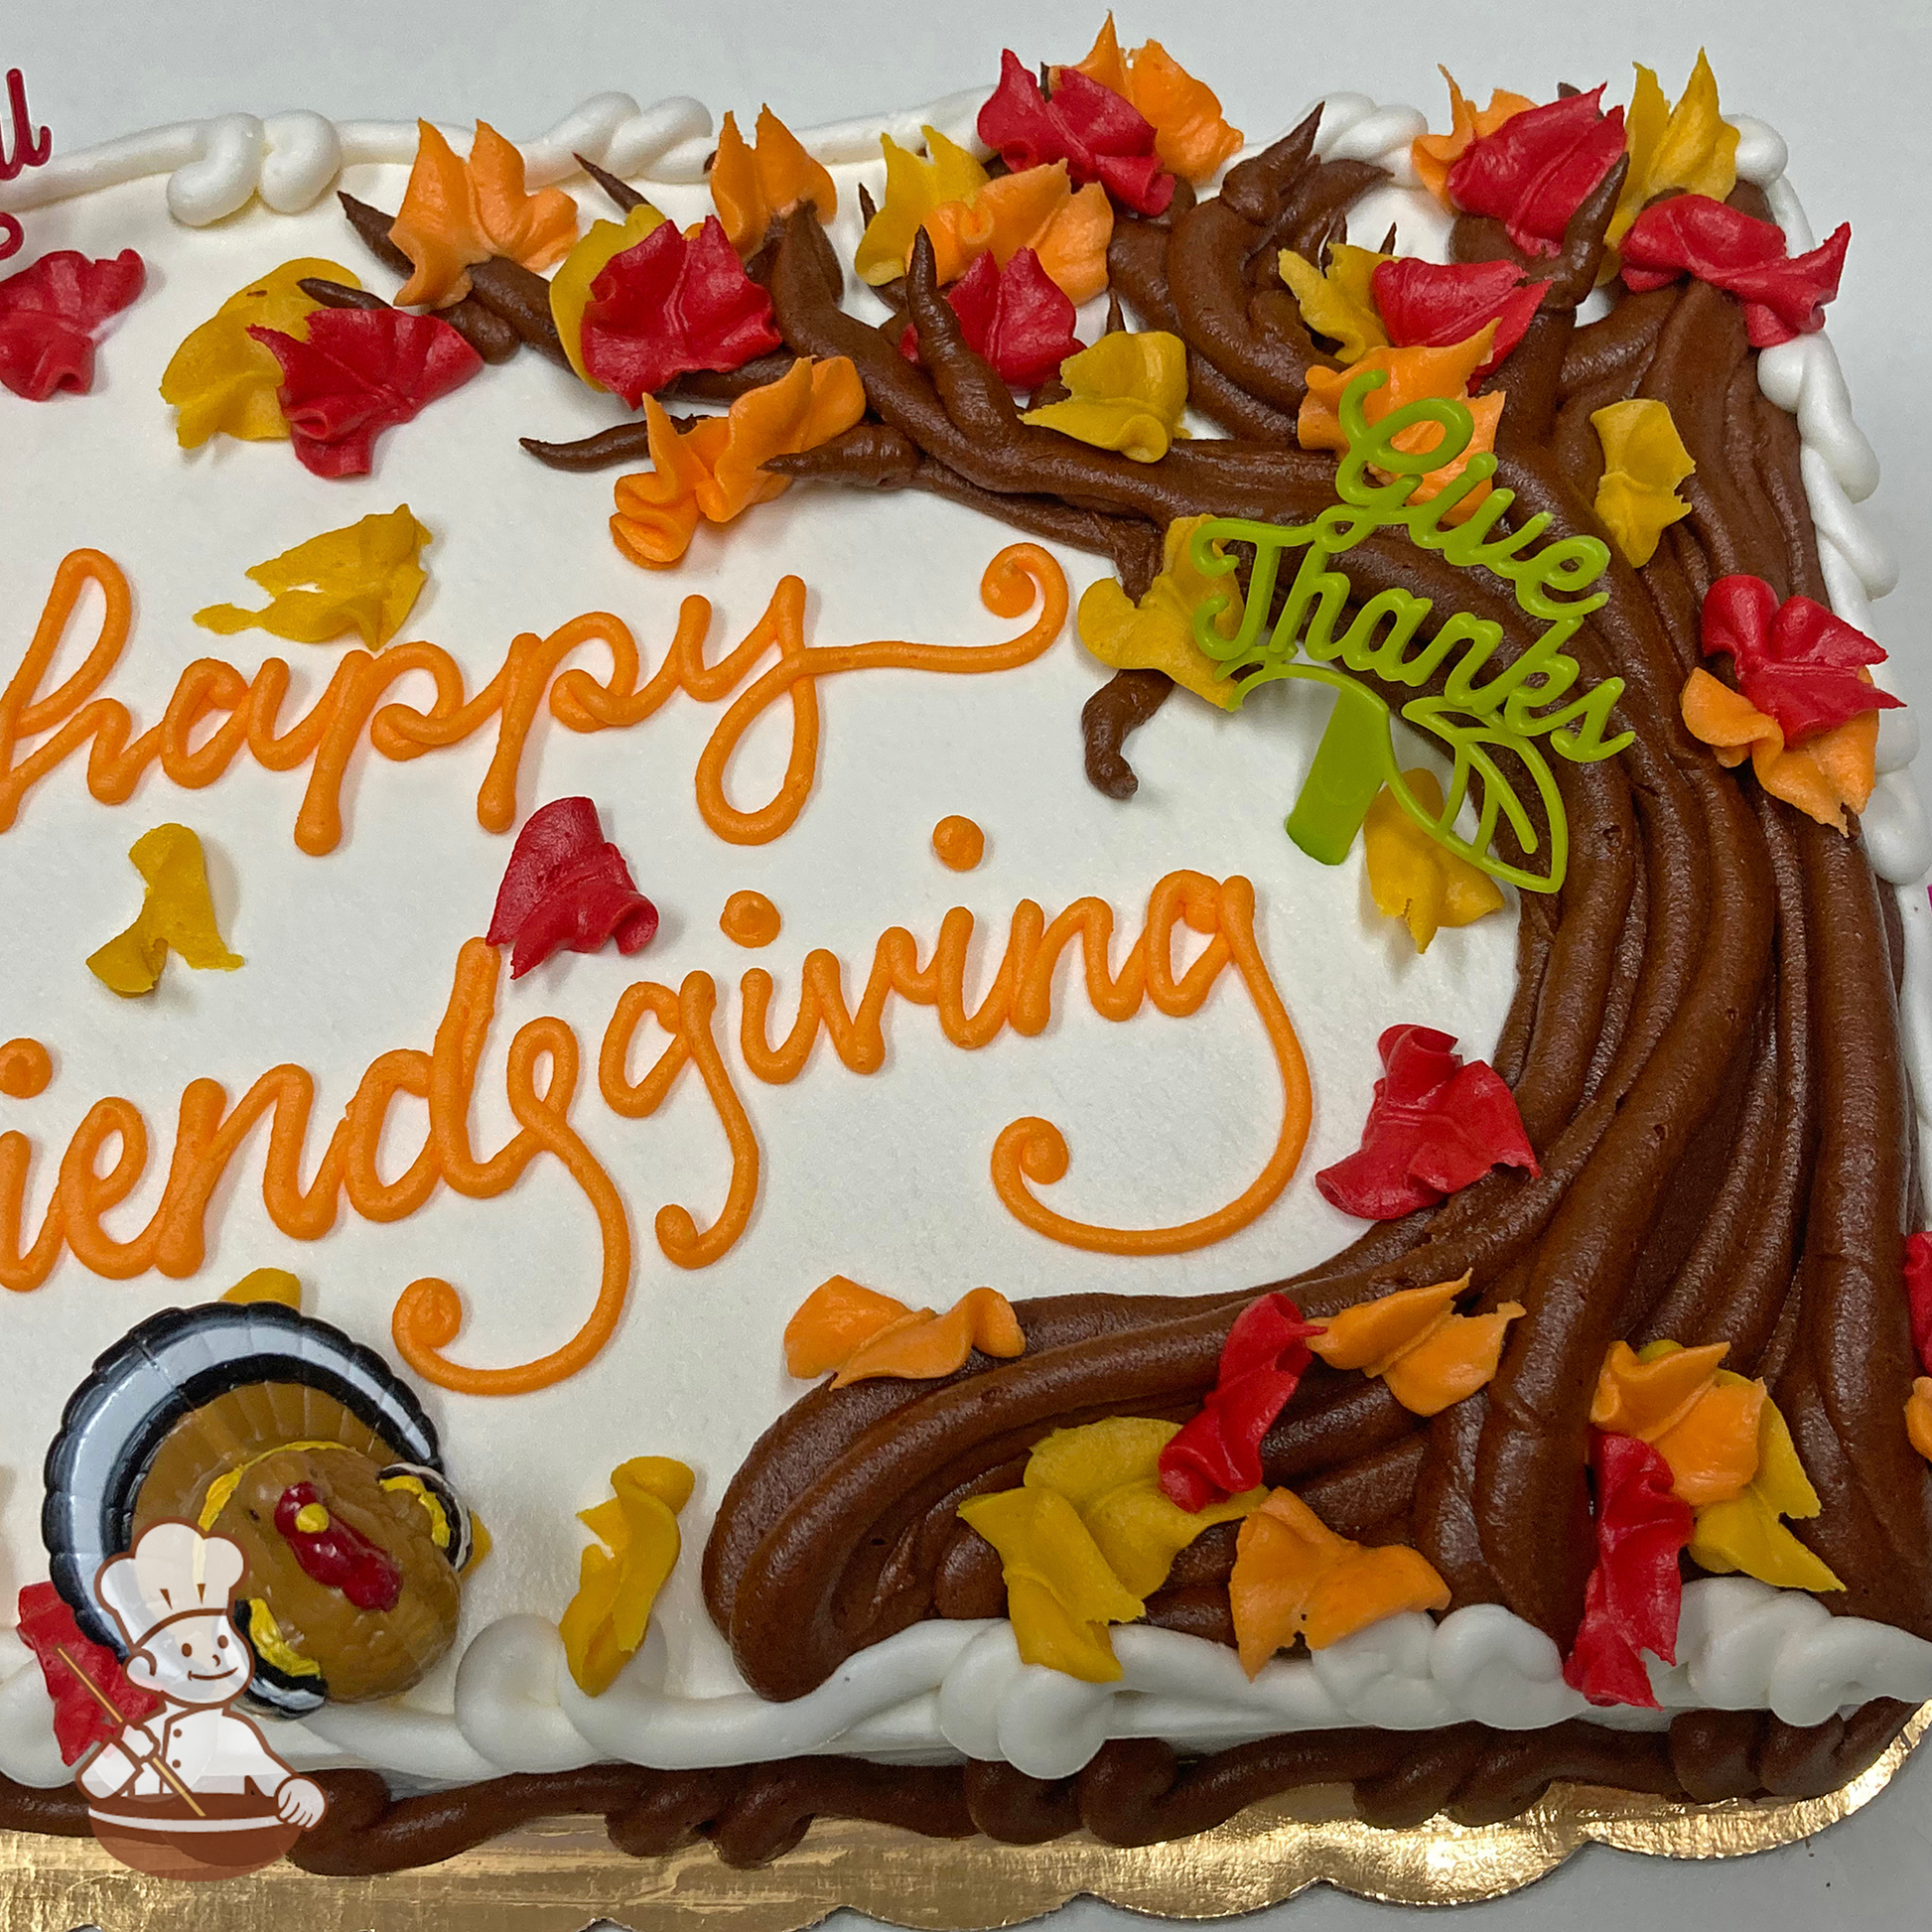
559, 1877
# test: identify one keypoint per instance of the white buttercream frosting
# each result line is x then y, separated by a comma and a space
960, 1690
217, 165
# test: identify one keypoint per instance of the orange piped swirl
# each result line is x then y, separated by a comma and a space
1034, 1150
1019, 576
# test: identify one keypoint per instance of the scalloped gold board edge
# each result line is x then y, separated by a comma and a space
561, 1877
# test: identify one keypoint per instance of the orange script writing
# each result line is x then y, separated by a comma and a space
216, 713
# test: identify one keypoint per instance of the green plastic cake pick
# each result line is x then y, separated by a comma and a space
1481, 713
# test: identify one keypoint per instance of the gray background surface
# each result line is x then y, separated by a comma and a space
1845, 82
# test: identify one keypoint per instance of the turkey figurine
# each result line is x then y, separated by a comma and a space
254, 1421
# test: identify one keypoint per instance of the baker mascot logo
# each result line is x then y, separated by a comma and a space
192, 1791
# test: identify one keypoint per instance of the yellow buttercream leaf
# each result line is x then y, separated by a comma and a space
177, 915
1158, 633
1415, 878
266, 1285
1061, 1593
914, 187
1644, 460
1088, 1537
220, 381
363, 578
1781, 1479
1128, 392
570, 287
1340, 302
604, 1623
1745, 1534
1110, 1471
1688, 147
480, 1543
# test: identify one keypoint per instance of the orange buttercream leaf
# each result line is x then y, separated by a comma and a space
1372, 1334
1918, 1415
455, 213
1433, 154
1368, 1585
1428, 1354
1281, 1551
1105, 63
1713, 1451
1293, 1577
752, 185
1189, 134
657, 509
714, 469
534, 229
928, 1346
1820, 776
1412, 374
833, 1322
1644, 1398
1455, 1360
862, 1333
1724, 719
1035, 209
1703, 1421
437, 227
809, 405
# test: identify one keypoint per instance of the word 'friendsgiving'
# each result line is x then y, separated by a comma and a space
540, 1084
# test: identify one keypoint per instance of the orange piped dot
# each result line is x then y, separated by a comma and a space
959, 843
750, 920
26, 1066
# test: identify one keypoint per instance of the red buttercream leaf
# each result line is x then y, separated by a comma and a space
1436, 305
361, 372
1217, 1452
1434, 1126
1634, 1596
565, 887
50, 313
46, 1627
1016, 316
668, 306
1796, 662
1784, 295
1539, 168
1100, 135
1919, 1294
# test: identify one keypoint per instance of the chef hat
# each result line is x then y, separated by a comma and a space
173, 1568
